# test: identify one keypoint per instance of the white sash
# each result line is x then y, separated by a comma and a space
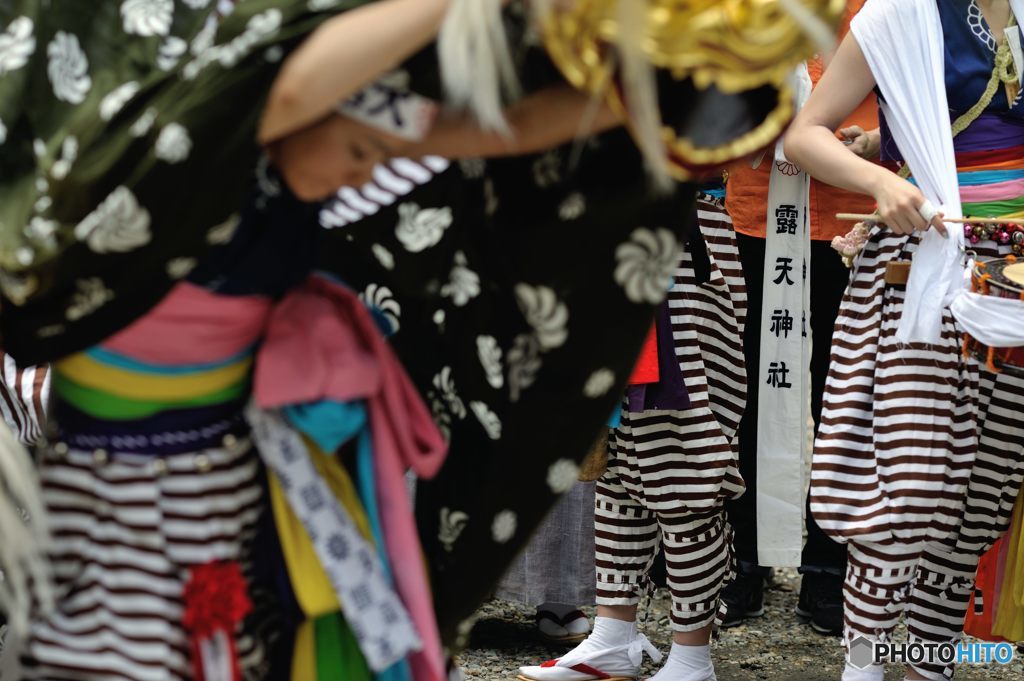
783, 403
373, 611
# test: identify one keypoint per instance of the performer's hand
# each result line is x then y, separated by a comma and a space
864, 143
333, 153
899, 205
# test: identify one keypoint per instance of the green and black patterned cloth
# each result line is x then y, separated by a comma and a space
127, 137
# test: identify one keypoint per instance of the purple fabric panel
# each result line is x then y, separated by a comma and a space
990, 132
670, 393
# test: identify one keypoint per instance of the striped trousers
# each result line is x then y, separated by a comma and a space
127, 534
670, 472
918, 462
24, 393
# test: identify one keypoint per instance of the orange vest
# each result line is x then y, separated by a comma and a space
746, 194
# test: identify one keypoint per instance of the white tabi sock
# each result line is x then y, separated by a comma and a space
687, 663
609, 632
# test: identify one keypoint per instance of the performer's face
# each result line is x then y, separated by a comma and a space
334, 153
361, 148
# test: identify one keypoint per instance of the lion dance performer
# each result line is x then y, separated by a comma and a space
224, 473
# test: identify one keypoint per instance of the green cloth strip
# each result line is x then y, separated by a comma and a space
337, 652
102, 405
994, 209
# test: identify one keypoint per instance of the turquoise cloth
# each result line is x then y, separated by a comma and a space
984, 177
616, 418
365, 478
328, 423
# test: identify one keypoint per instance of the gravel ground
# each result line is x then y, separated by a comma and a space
773, 647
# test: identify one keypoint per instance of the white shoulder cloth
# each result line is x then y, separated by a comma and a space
912, 81
909, 68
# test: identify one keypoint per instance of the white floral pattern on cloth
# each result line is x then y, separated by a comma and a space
548, 316
599, 383
91, 295
488, 419
382, 299
385, 257
562, 475
118, 225
68, 153
173, 144
490, 359
445, 385
143, 124
491, 201
473, 168
524, 363
259, 27
442, 417
17, 45
645, 264
574, 206
115, 100
420, 228
68, 68
547, 170
170, 52
463, 283
452, 525
221, 234
147, 17
503, 528
179, 268
322, 5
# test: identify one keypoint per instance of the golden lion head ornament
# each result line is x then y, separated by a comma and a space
721, 67
701, 83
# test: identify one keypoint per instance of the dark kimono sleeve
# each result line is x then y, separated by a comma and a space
129, 145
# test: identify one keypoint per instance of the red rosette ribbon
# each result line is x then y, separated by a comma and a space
216, 601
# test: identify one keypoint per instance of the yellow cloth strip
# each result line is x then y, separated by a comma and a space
310, 583
87, 372
304, 655
1009, 621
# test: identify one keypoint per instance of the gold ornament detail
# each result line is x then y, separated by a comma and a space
733, 46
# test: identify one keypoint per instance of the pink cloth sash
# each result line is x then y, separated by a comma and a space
217, 328
321, 343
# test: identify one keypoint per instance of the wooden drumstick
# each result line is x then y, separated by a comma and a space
865, 217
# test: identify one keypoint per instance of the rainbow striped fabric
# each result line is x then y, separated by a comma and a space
140, 392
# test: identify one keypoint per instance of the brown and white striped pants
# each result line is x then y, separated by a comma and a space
23, 396
670, 472
126, 535
918, 462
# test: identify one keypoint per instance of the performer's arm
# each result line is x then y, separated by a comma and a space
338, 152
343, 56
541, 121
811, 143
